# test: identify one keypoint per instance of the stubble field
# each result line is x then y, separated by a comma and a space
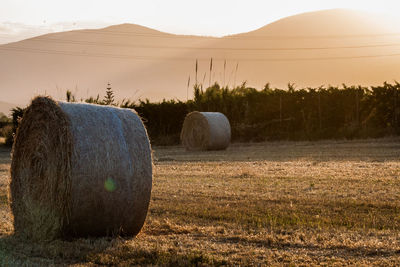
278, 203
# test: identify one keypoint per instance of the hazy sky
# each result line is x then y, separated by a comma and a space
205, 17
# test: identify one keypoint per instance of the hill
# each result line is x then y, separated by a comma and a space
311, 49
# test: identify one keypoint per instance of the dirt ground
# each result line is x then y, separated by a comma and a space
278, 203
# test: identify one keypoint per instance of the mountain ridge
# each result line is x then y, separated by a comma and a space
158, 65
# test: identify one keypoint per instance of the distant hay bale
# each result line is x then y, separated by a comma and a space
206, 131
79, 170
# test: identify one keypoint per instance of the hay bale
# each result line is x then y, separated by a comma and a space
79, 170
206, 131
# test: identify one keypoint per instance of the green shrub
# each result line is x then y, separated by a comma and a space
273, 113
16, 114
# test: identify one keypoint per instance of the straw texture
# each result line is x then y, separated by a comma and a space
206, 131
79, 170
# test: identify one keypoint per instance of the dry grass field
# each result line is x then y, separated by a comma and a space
281, 203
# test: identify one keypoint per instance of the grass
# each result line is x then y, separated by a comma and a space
280, 203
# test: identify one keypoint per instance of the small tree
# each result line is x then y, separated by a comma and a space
109, 97
69, 96
16, 114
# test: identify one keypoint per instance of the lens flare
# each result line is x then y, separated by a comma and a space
110, 185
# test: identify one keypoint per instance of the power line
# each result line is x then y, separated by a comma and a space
100, 55
244, 36
63, 41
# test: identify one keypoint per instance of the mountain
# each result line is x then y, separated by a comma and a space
328, 47
329, 22
137, 61
310, 49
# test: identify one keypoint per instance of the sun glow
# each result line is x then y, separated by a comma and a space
182, 17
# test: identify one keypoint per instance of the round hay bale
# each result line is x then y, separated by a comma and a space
79, 170
206, 131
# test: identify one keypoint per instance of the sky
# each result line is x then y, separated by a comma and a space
25, 18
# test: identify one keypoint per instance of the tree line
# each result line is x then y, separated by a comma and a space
282, 114
345, 112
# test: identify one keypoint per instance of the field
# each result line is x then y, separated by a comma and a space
278, 203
